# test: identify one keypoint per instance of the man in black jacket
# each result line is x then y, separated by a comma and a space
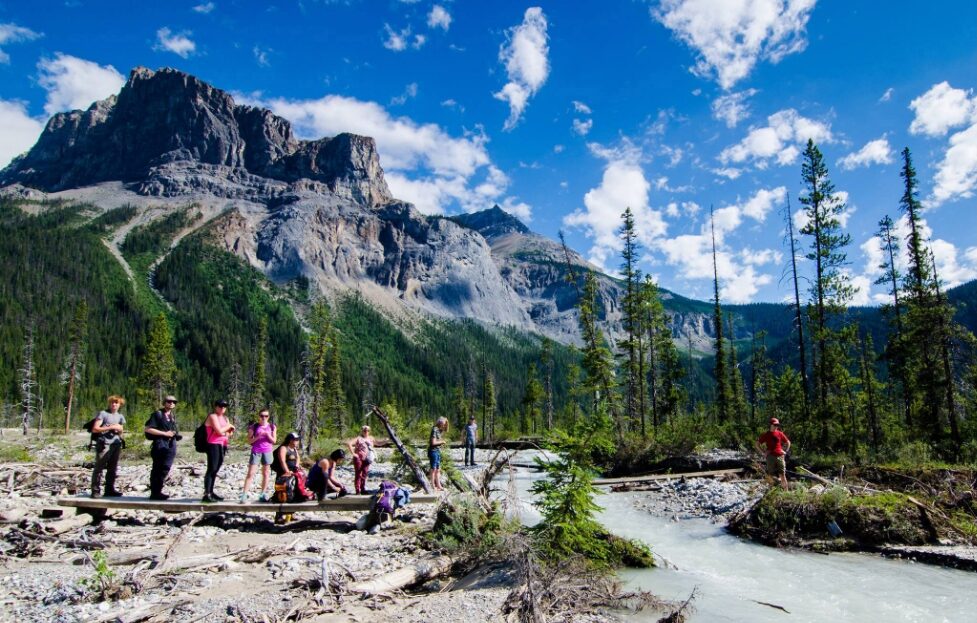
161, 428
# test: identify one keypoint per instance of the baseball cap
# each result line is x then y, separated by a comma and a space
775, 421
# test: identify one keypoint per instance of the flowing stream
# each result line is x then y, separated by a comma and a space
731, 575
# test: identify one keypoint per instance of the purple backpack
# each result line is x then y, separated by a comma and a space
384, 500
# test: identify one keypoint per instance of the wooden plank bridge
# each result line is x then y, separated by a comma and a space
189, 505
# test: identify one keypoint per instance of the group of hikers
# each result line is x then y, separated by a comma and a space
284, 459
291, 482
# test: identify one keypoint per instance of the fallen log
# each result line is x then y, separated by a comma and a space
405, 577
66, 525
654, 477
411, 463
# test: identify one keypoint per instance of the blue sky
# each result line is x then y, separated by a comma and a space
566, 112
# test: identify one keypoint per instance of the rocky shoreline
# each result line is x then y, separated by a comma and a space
246, 568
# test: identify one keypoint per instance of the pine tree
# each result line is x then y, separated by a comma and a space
632, 321
947, 330
158, 366
798, 316
546, 365
235, 393
257, 399
831, 289
532, 399
302, 406
596, 359
918, 277
488, 404
759, 377
335, 397
460, 405
737, 390
320, 326
28, 381
723, 398
77, 334
871, 389
891, 277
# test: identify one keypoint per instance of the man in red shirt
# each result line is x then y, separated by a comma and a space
775, 445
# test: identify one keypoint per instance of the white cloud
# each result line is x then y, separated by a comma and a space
439, 18
887, 95
423, 164
73, 83
732, 108
205, 8
779, 141
582, 127
517, 208
12, 33
956, 174
558, 149
874, 152
398, 41
692, 255
261, 56
622, 186
730, 36
410, 91
942, 108
581, 108
761, 256
525, 56
178, 43
450, 103
759, 205
18, 130
728, 172
861, 288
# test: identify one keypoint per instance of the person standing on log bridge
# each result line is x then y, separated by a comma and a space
219, 431
434, 451
162, 431
262, 435
471, 437
775, 444
108, 426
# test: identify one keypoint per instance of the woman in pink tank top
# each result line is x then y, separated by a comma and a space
219, 430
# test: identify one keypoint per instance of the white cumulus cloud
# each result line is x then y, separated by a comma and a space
622, 186
73, 83
941, 108
730, 36
12, 33
581, 108
779, 141
732, 108
179, 43
18, 130
204, 8
525, 55
956, 174
873, 152
582, 126
439, 18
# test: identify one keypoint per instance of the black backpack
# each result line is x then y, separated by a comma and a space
200, 438
88, 426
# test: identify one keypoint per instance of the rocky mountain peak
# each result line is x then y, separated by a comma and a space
492, 223
168, 126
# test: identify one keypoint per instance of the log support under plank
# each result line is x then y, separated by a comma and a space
654, 477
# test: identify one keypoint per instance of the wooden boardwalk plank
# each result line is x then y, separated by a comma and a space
188, 505
654, 477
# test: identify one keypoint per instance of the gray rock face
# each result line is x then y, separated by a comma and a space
317, 209
162, 121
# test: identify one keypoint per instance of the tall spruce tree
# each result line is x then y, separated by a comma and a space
760, 377
259, 374
28, 381
723, 398
891, 277
737, 389
546, 367
158, 366
320, 328
488, 404
77, 340
532, 400
831, 290
630, 344
798, 315
335, 396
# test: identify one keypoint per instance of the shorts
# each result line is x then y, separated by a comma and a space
434, 455
260, 458
776, 465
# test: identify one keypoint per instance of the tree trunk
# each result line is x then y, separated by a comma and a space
411, 463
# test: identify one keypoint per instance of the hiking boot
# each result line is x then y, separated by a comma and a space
96, 495
113, 494
216, 497
159, 497
208, 499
